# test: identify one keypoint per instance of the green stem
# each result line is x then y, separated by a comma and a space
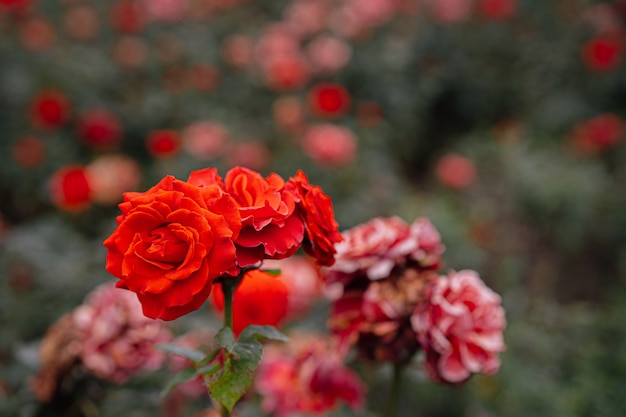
394, 394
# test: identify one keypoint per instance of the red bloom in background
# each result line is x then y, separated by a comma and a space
126, 16
69, 188
286, 73
249, 153
261, 298
205, 139
37, 33
307, 375
497, 9
328, 100
602, 54
329, 145
460, 327
598, 133
100, 129
315, 209
29, 151
171, 242
270, 227
49, 109
163, 144
455, 171
15, 5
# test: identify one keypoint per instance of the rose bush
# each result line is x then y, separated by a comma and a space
171, 242
460, 327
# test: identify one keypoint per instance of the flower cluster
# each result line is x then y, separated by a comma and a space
107, 335
306, 376
173, 240
389, 302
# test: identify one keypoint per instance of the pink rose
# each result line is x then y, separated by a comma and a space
460, 327
329, 145
376, 247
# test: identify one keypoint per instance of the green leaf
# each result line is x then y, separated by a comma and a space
183, 376
274, 271
224, 339
255, 332
194, 356
233, 379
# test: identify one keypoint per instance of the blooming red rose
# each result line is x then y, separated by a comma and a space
70, 189
270, 227
328, 100
314, 207
100, 128
460, 327
306, 376
261, 298
49, 109
171, 242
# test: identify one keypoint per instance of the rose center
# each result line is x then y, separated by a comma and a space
164, 246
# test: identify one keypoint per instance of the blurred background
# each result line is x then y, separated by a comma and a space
500, 120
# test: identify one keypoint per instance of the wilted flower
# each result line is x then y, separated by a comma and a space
117, 340
460, 327
306, 376
382, 269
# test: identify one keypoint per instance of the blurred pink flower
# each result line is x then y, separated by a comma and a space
169, 11
289, 113
328, 54
307, 17
110, 176
237, 50
329, 145
117, 339
205, 139
376, 247
460, 327
249, 153
451, 11
303, 281
604, 19
455, 171
306, 376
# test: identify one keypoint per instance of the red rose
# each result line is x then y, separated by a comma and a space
171, 242
163, 143
455, 171
460, 327
70, 189
316, 211
100, 128
260, 298
270, 228
602, 54
328, 100
49, 109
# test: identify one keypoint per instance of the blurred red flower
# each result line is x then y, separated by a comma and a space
171, 242
163, 143
29, 151
455, 171
598, 133
460, 327
49, 109
249, 153
328, 100
329, 145
126, 16
261, 298
328, 54
37, 34
497, 9
306, 376
285, 73
602, 54
100, 129
69, 188
15, 5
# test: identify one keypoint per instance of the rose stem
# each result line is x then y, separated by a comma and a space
394, 394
